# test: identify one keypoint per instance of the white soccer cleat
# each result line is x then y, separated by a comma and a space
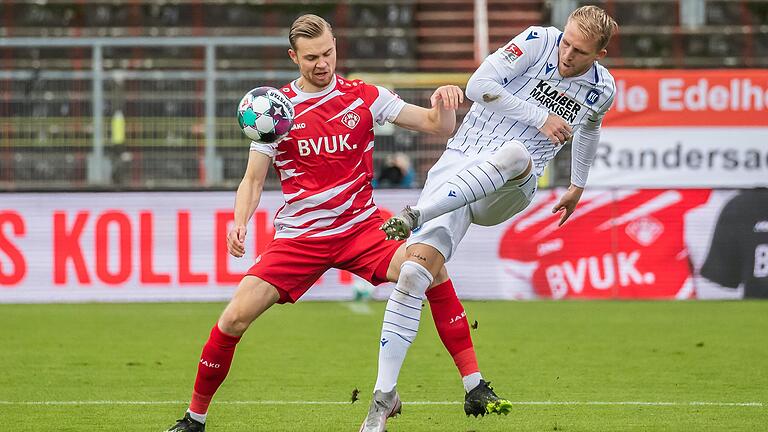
383, 406
400, 227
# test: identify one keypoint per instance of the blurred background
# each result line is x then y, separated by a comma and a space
141, 94
134, 95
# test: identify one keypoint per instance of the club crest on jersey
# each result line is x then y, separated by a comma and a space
350, 119
592, 97
512, 52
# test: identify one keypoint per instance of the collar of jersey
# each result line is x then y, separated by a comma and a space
306, 95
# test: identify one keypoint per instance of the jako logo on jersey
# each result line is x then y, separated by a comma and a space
556, 102
332, 144
350, 119
210, 364
299, 126
592, 97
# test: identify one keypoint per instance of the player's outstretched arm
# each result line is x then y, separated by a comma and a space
247, 199
440, 119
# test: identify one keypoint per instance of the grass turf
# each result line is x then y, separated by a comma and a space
677, 352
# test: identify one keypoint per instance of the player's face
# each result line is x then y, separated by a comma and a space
577, 52
316, 59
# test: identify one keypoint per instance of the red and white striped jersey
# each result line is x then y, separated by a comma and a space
325, 164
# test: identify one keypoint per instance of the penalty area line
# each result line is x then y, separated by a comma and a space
279, 402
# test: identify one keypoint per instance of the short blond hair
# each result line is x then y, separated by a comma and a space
307, 26
594, 22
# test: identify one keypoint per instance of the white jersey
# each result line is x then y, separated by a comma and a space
527, 68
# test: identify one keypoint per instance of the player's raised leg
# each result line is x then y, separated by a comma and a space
485, 175
252, 297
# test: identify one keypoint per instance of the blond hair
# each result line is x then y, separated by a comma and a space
307, 26
594, 22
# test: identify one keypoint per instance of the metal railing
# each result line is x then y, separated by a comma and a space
99, 167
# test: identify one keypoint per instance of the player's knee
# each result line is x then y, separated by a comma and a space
441, 277
414, 279
233, 323
511, 160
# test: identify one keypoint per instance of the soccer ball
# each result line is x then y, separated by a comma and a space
265, 115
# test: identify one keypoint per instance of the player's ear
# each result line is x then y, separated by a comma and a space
600, 55
292, 54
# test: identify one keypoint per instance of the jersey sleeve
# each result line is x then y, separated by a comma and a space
584, 145
267, 149
722, 263
386, 105
519, 54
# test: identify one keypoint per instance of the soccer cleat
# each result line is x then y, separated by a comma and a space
383, 406
187, 424
481, 400
399, 227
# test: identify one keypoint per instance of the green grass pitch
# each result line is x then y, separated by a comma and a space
681, 366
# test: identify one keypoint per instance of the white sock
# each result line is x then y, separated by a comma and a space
471, 381
401, 322
465, 187
197, 417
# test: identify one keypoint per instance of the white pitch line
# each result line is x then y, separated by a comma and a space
278, 402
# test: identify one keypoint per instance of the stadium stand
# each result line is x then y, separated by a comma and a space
158, 138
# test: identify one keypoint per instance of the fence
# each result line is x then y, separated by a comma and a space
116, 125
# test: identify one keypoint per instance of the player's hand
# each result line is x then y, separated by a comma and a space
451, 97
236, 241
556, 129
568, 203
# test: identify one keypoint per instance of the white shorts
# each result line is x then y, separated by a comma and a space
445, 232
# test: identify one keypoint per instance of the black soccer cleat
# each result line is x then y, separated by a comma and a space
187, 424
481, 400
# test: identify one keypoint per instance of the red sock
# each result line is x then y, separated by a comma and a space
452, 326
212, 369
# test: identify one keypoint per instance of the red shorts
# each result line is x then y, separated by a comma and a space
293, 265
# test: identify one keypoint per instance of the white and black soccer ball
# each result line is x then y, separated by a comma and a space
265, 115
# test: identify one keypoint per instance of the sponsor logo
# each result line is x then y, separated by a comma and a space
324, 144
555, 101
592, 97
384, 341
210, 364
601, 272
644, 231
298, 126
350, 119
